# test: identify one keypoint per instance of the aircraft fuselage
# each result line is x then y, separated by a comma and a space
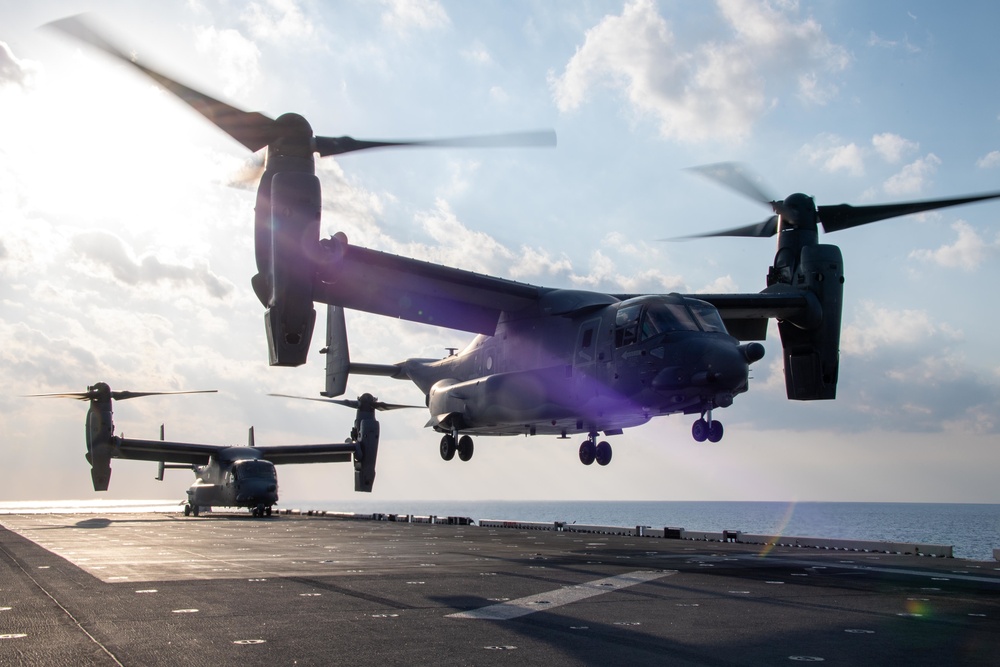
600, 369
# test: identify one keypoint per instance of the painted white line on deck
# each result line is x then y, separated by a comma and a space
561, 596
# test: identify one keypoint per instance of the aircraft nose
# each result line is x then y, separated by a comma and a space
718, 365
253, 491
723, 366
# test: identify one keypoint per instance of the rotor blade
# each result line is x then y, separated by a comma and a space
326, 146
78, 395
763, 229
736, 177
117, 395
348, 403
125, 395
845, 216
253, 130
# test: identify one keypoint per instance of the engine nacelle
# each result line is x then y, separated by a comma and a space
812, 350
365, 455
296, 202
100, 430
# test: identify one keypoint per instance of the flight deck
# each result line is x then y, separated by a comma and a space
164, 589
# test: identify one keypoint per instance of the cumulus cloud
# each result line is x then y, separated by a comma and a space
914, 177
891, 147
712, 90
13, 70
877, 327
235, 58
891, 44
832, 154
109, 253
967, 252
990, 160
478, 54
402, 16
276, 20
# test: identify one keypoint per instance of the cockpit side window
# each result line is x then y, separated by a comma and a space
627, 325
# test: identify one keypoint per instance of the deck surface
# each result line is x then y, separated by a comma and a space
162, 589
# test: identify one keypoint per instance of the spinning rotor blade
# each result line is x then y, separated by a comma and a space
347, 403
845, 216
123, 395
763, 229
737, 177
337, 145
95, 392
253, 130
256, 131
833, 218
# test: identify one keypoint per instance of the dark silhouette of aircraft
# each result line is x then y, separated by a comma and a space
226, 476
545, 360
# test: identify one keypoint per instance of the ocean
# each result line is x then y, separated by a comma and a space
973, 530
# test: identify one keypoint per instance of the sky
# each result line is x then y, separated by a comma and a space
126, 257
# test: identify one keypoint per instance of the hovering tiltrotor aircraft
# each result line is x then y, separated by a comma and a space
546, 360
226, 476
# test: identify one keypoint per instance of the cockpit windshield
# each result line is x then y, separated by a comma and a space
644, 320
706, 314
255, 469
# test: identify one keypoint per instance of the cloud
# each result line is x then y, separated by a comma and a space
876, 328
967, 252
108, 252
278, 21
478, 54
402, 16
235, 58
891, 147
13, 70
713, 90
914, 177
899, 370
990, 160
892, 44
831, 154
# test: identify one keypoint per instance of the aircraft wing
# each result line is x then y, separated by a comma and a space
746, 315
333, 453
168, 452
411, 289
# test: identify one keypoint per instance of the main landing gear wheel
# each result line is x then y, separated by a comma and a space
465, 448
187, 510
603, 453
703, 430
448, 447
588, 452
591, 451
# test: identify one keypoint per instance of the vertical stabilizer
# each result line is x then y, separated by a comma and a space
338, 359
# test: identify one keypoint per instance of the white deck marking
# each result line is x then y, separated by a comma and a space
561, 596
